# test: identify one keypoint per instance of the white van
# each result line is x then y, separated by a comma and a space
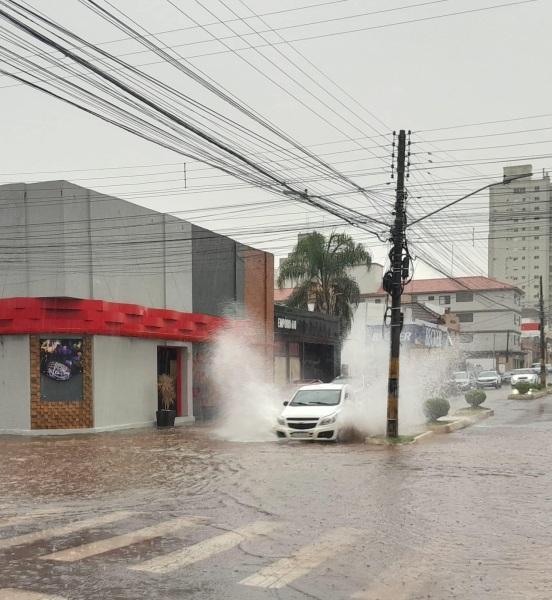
314, 412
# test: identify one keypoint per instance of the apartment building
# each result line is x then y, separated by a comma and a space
519, 233
488, 312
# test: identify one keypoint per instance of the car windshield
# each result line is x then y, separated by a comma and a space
460, 375
523, 372
316, 398
487, 374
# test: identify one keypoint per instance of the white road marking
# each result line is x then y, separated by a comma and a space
37, 514
13, 594
205, 549
286, 570
44, 534
120, 541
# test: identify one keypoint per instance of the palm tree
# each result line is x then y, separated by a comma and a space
317, 267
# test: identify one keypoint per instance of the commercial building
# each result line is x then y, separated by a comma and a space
307, 346
100, 296
519, 233
488, 313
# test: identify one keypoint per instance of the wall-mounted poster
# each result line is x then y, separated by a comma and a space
61, 370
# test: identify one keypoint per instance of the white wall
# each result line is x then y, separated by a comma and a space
15, 382
125, 381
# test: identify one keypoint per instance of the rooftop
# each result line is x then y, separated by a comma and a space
477, 283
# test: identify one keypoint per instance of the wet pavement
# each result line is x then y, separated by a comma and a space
177, 514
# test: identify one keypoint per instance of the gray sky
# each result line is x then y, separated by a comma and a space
469, 68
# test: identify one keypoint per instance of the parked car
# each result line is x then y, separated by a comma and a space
315, 412
524, 376
489, 379
462, 380
506, 377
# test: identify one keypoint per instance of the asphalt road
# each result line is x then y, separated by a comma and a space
177, 514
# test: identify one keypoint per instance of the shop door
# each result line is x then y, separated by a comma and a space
169, 362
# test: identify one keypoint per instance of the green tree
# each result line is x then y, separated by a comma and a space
317, 268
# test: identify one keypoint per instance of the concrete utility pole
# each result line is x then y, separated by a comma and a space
394, 286
542, 336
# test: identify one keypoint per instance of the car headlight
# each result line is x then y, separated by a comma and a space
328, 420
281, 421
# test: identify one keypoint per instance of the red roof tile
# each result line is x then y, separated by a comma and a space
458, 284
282, 295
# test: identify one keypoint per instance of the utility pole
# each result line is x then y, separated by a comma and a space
393, 284
542, 336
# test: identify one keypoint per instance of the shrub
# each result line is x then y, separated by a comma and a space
475, 397
522, 388
435, 408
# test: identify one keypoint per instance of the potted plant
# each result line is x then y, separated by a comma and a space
167, 394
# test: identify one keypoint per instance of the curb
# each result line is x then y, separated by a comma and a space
458, 423
462, 422
540, 394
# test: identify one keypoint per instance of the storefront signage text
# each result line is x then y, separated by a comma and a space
284, 323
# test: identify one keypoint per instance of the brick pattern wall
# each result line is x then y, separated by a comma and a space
259, 300
61, 415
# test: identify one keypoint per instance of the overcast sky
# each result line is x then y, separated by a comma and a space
490, 65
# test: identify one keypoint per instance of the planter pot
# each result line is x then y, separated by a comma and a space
165, 418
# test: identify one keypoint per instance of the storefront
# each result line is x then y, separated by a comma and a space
306, 346
101, 298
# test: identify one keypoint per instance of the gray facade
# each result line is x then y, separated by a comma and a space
64, 240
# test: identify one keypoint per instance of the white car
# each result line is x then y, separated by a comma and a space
314, 412
489, 379
524, 376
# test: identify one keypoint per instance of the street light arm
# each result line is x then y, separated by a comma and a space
438, 210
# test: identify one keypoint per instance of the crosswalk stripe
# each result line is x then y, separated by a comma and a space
14, 594
120, 541
286, 570
205, 549
19, 519
28, 538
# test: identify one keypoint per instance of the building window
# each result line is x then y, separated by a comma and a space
293, 349
444, 299
536, 257
431, 298
465, 317
536, 207
537, 189
464, 296
377, 301
519, 190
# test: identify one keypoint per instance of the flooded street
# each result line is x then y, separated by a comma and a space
179, 514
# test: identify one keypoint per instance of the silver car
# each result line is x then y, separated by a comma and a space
489, 379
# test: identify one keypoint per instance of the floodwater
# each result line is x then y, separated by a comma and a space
179, 514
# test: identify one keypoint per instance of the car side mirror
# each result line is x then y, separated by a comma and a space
286, 402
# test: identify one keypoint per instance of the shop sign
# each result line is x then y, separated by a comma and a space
413, 335
61, 378
284, 323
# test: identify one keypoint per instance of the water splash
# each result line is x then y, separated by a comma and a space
250, 403
242, 378
422, 374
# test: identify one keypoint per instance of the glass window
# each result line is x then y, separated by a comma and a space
444, 299
464, 296
431, 297
293, 349
465, 317
320, 397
